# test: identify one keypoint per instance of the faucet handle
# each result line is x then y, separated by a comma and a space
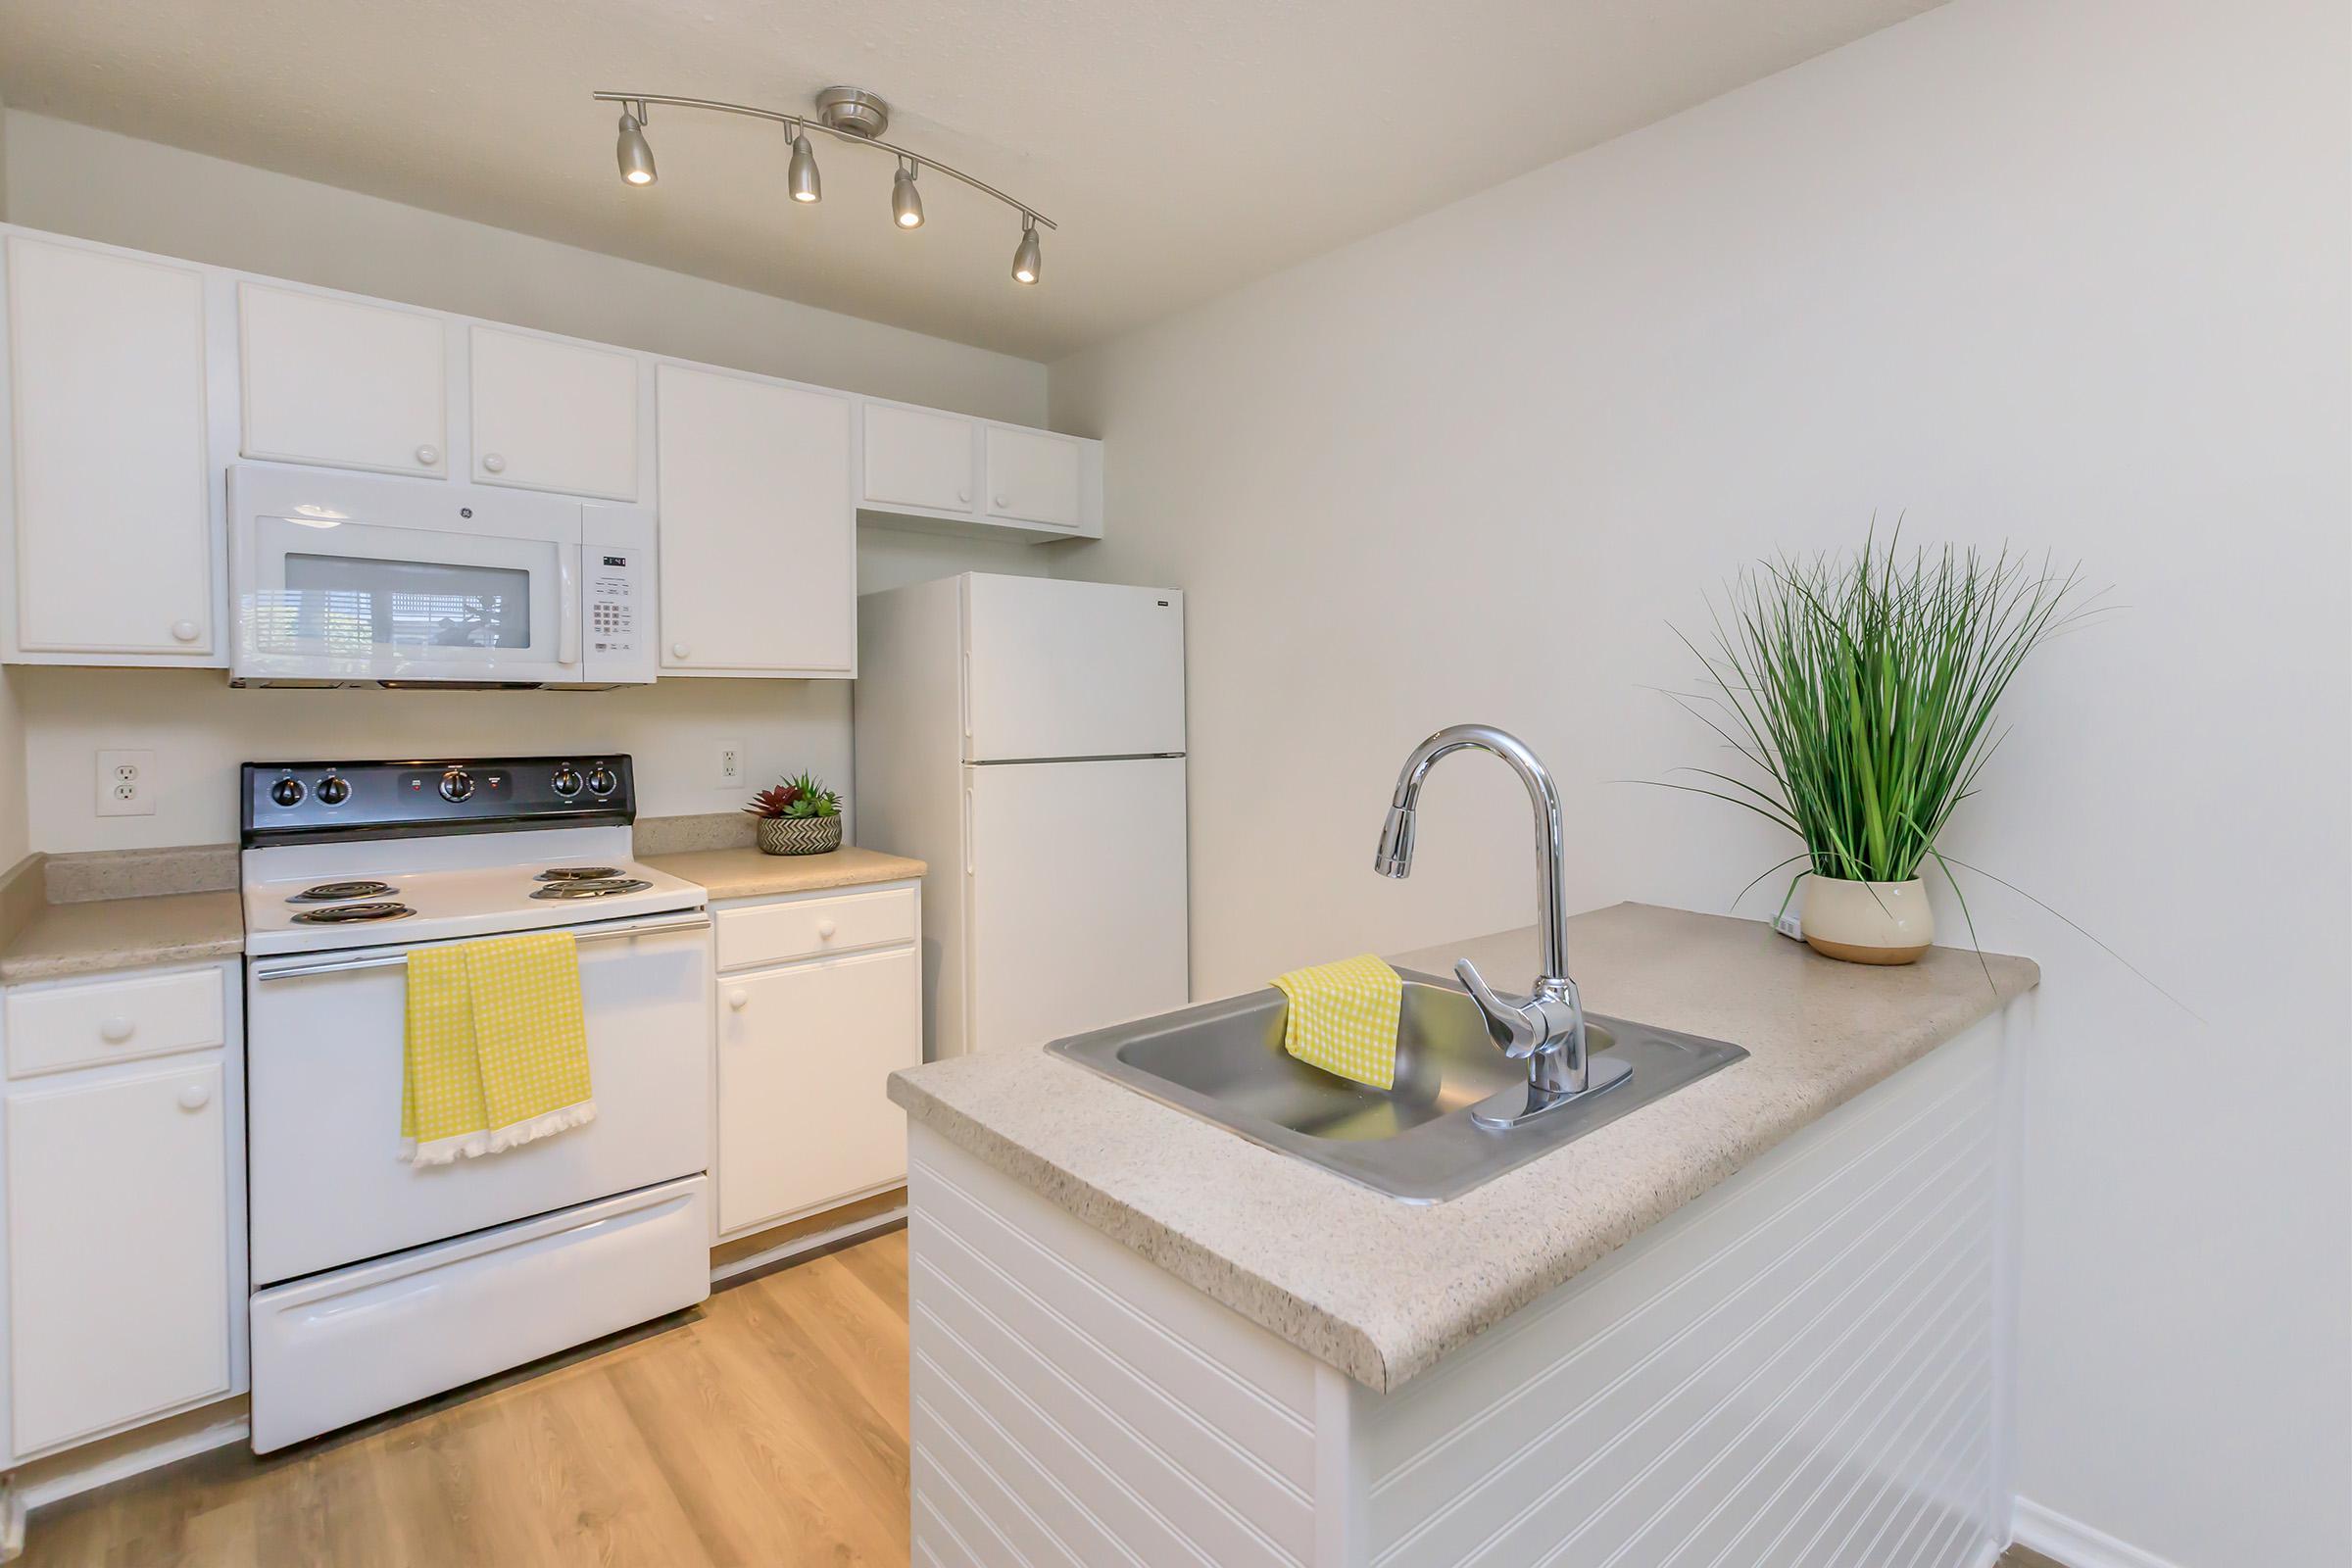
1512, 1023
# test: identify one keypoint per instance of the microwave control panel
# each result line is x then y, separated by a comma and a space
616, 597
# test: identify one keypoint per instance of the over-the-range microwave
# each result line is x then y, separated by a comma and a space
342, 578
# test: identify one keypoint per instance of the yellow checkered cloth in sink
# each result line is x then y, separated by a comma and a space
497, 1047
1343, 1018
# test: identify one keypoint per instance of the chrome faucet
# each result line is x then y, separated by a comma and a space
1546, 1029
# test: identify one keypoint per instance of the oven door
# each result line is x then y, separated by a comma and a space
344, 578
323, 1076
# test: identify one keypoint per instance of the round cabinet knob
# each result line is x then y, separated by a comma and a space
566, 781
333, 791
601, 780
1000, 502
117, 1030
456, 785
428, 455
195, 1097
739, 1000
964, 492
679, 650
491, 463
186, 631
825, 930
287, 792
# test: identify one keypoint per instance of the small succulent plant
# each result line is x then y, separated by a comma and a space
802, 795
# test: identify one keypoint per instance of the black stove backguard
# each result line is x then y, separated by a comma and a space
324, 803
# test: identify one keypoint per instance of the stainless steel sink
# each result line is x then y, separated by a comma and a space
1223, 1061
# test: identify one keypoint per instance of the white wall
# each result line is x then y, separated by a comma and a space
2071, 272
75, 180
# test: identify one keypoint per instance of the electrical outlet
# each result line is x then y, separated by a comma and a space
730, 764
126, 783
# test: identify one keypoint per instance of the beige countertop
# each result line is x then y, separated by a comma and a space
1382, 1288
69, 939
746, 873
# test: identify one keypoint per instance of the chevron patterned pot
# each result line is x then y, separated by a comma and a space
798, 834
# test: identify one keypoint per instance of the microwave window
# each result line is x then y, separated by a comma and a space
354, 603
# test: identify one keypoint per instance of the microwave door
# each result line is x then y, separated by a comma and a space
358, 601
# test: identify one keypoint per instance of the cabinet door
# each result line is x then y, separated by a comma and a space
551, 416
804, 1054
917, 459
1035, 478
117, 1250
758, 540
113, 531
344, 383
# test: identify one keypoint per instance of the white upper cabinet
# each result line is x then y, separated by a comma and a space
916, 458
343, 382
550, 415
115, 551
758, 540
1035, 476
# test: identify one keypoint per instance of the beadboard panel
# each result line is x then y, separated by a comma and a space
1796, 1371
1074, 1405
1800, 1370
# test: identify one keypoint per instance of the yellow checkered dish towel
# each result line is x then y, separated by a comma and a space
497, 1047
1343, 1018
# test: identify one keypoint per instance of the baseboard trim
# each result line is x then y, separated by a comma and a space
2075, 1543
814, 1242
113, 1463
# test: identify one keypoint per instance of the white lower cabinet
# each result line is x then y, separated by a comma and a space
805, 1050
124, 1205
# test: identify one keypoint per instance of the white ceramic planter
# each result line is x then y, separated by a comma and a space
1867, 922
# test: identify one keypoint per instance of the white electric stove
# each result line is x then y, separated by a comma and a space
378, 1283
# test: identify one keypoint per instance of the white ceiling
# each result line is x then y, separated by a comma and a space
1185, 148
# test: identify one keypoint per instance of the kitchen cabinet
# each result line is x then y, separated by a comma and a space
551, 414
1035, 476
118, 558
805, 1049
344, 382
125, 1205
951, 473
918, 458
759, 561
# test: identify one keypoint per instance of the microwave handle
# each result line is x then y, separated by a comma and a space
567, 600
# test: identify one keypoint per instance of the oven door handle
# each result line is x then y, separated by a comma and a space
386, 961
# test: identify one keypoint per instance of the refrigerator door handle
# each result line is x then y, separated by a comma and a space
971, 861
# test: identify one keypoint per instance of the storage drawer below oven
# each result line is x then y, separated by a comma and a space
342, 1347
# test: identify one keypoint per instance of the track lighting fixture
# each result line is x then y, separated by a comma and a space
1026, 260
635, 155
845, 114
802, 180
905, 205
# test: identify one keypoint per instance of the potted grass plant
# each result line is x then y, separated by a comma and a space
798, 816
1860, 691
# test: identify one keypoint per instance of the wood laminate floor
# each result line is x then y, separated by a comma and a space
766, 1427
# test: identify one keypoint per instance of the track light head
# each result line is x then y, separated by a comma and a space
1027, 262
905, 205
802, 180
635, 155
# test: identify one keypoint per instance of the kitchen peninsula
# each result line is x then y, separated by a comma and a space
1760, 1321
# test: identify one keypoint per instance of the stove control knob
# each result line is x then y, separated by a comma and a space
456, 784
566, 781
287, 792
333, 791
601, 780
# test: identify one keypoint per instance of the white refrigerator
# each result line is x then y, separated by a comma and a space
1025, 737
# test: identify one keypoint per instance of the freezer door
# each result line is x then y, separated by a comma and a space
1072, 670
1075, 889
